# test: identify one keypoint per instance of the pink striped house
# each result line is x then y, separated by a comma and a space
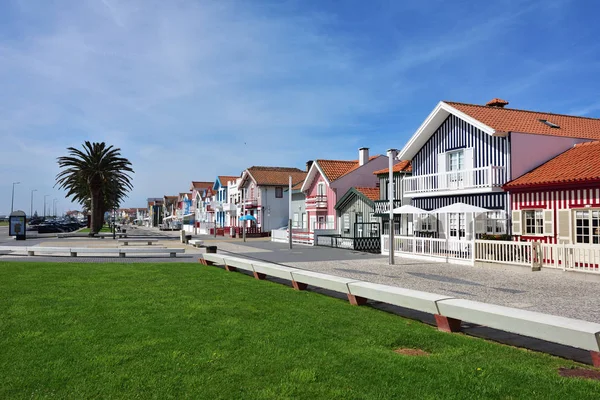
328, 179
559, 201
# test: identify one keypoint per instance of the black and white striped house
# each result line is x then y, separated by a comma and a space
467, 152
456, 158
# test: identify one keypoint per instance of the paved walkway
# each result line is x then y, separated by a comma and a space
568, 294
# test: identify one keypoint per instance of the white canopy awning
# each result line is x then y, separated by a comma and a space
408, 209
459, 208
169, 217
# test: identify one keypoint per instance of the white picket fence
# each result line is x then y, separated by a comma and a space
571, 257
454, 251
281, 236
505, 252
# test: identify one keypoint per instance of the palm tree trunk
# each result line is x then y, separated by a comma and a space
97, 212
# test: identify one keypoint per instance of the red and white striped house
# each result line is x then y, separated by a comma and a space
559, 201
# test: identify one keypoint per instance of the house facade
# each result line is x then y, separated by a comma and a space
264, 196
402, 223
466, 153
328, 178
356, 213
234, 200
221, 200
559, 202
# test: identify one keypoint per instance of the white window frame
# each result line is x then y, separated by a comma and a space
495, 223
346, 223
457, 222
593, 231
426, 223
295, 220
538, 222
460, 160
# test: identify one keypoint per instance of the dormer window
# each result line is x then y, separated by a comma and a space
550, 124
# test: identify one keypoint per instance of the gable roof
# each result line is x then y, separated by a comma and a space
369, 195
275, 176
402, 166
514, 120
226, 178
579, 164
332, 170
201, 185
498, 121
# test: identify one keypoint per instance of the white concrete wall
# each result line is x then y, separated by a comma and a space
360, 177
274, 210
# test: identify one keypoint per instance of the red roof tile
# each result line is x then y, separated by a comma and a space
335, 169
576, 165
402, 166
513, 120
225, 178
201, 185
370, 193
276, 176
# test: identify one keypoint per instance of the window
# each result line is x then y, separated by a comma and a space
456, 160
457, 224
331, 222
346, 223
534, 222
359, 225
278, 192
495, 223
320, 189
550, 124
426, 223
386, 227
304, 221
587, 226
295, 220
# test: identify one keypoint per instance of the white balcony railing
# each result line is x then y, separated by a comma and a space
318, 201
249, 203
476, 178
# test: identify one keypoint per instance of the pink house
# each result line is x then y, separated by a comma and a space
328, 179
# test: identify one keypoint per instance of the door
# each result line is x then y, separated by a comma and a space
359, 225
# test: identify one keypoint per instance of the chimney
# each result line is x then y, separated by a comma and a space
308, 165
363, 155
499, 103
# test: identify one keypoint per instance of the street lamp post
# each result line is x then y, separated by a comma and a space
31, 208
46, 195
391, 153
54, 207
12, 201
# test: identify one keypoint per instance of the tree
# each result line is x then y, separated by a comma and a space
96, 178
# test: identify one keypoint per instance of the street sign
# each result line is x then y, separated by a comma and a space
17, 225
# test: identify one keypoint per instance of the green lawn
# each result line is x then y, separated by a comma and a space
192, 331
3, 223
105, 228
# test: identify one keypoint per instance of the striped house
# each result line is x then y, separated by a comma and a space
466, 153
559, 202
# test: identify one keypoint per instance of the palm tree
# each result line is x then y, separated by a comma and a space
96, 176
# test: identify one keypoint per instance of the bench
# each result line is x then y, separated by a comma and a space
130, 240
172, 252
31, 251
196, 242
407, 298
4, 252
571, 332
103, 235
262, 269
234, 263
211, 259
301, 278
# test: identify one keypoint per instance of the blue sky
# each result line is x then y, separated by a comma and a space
193, 89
